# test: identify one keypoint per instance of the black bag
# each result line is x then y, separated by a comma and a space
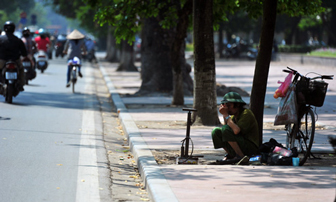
268, 147
270, 158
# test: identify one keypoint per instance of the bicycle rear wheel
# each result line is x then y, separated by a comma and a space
304, 135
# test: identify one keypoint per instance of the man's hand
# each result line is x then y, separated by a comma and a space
223, 109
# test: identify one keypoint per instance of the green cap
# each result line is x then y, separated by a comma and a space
232, 97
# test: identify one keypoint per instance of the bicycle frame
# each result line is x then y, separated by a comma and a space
74, 74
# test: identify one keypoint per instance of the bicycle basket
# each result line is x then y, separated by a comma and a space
311, 92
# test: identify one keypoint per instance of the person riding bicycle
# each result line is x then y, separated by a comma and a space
76, 46
239, 135
12, 48
29, 43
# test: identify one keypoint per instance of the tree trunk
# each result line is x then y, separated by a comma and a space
177, 52
156, 60
156, 69
262, 64
330, 27
205, 97
127, 58
294, 21
111, 49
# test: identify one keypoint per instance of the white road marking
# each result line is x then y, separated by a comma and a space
87, 180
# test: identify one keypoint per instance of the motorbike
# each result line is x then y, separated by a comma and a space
74, 64
41, 60
59, 49
240, 51
29, 69
91, 55
60, 43
10, 87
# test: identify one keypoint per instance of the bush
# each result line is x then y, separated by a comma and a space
296, 48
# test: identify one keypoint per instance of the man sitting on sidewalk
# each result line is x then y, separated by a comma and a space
239, 135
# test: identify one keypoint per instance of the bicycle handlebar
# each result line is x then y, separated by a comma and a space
285, 70
330, 77
289, 70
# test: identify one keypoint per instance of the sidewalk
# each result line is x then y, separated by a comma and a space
212, 182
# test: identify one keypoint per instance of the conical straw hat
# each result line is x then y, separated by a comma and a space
75, 35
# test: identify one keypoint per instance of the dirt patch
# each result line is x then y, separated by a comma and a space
328, 160
210, 156
169, 157
183, 125
168, 125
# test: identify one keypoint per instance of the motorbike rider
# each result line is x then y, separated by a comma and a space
11, 48
76, 46
90, 47
29, 42
42, 41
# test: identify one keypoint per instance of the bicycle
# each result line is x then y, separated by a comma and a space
310, 92
74, 64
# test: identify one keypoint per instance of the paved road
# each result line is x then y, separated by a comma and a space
51, 146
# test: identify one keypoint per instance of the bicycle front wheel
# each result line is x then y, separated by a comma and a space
306, 135
73, 86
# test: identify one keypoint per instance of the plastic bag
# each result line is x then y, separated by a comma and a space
282, 90
287, 110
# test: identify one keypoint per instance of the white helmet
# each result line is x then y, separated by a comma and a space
76, 61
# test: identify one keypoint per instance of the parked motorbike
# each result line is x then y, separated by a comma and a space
74, 64
240, 51
10, 87
41, 60
29, 69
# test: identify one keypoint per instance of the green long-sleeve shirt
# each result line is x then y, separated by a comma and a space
248, 126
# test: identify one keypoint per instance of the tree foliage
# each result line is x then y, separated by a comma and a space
82, 13
124, 16
310, 22
13, 9
127, 16
288, 7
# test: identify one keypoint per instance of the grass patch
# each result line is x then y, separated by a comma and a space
324, 52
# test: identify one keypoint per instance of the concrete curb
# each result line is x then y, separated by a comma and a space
151, 173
